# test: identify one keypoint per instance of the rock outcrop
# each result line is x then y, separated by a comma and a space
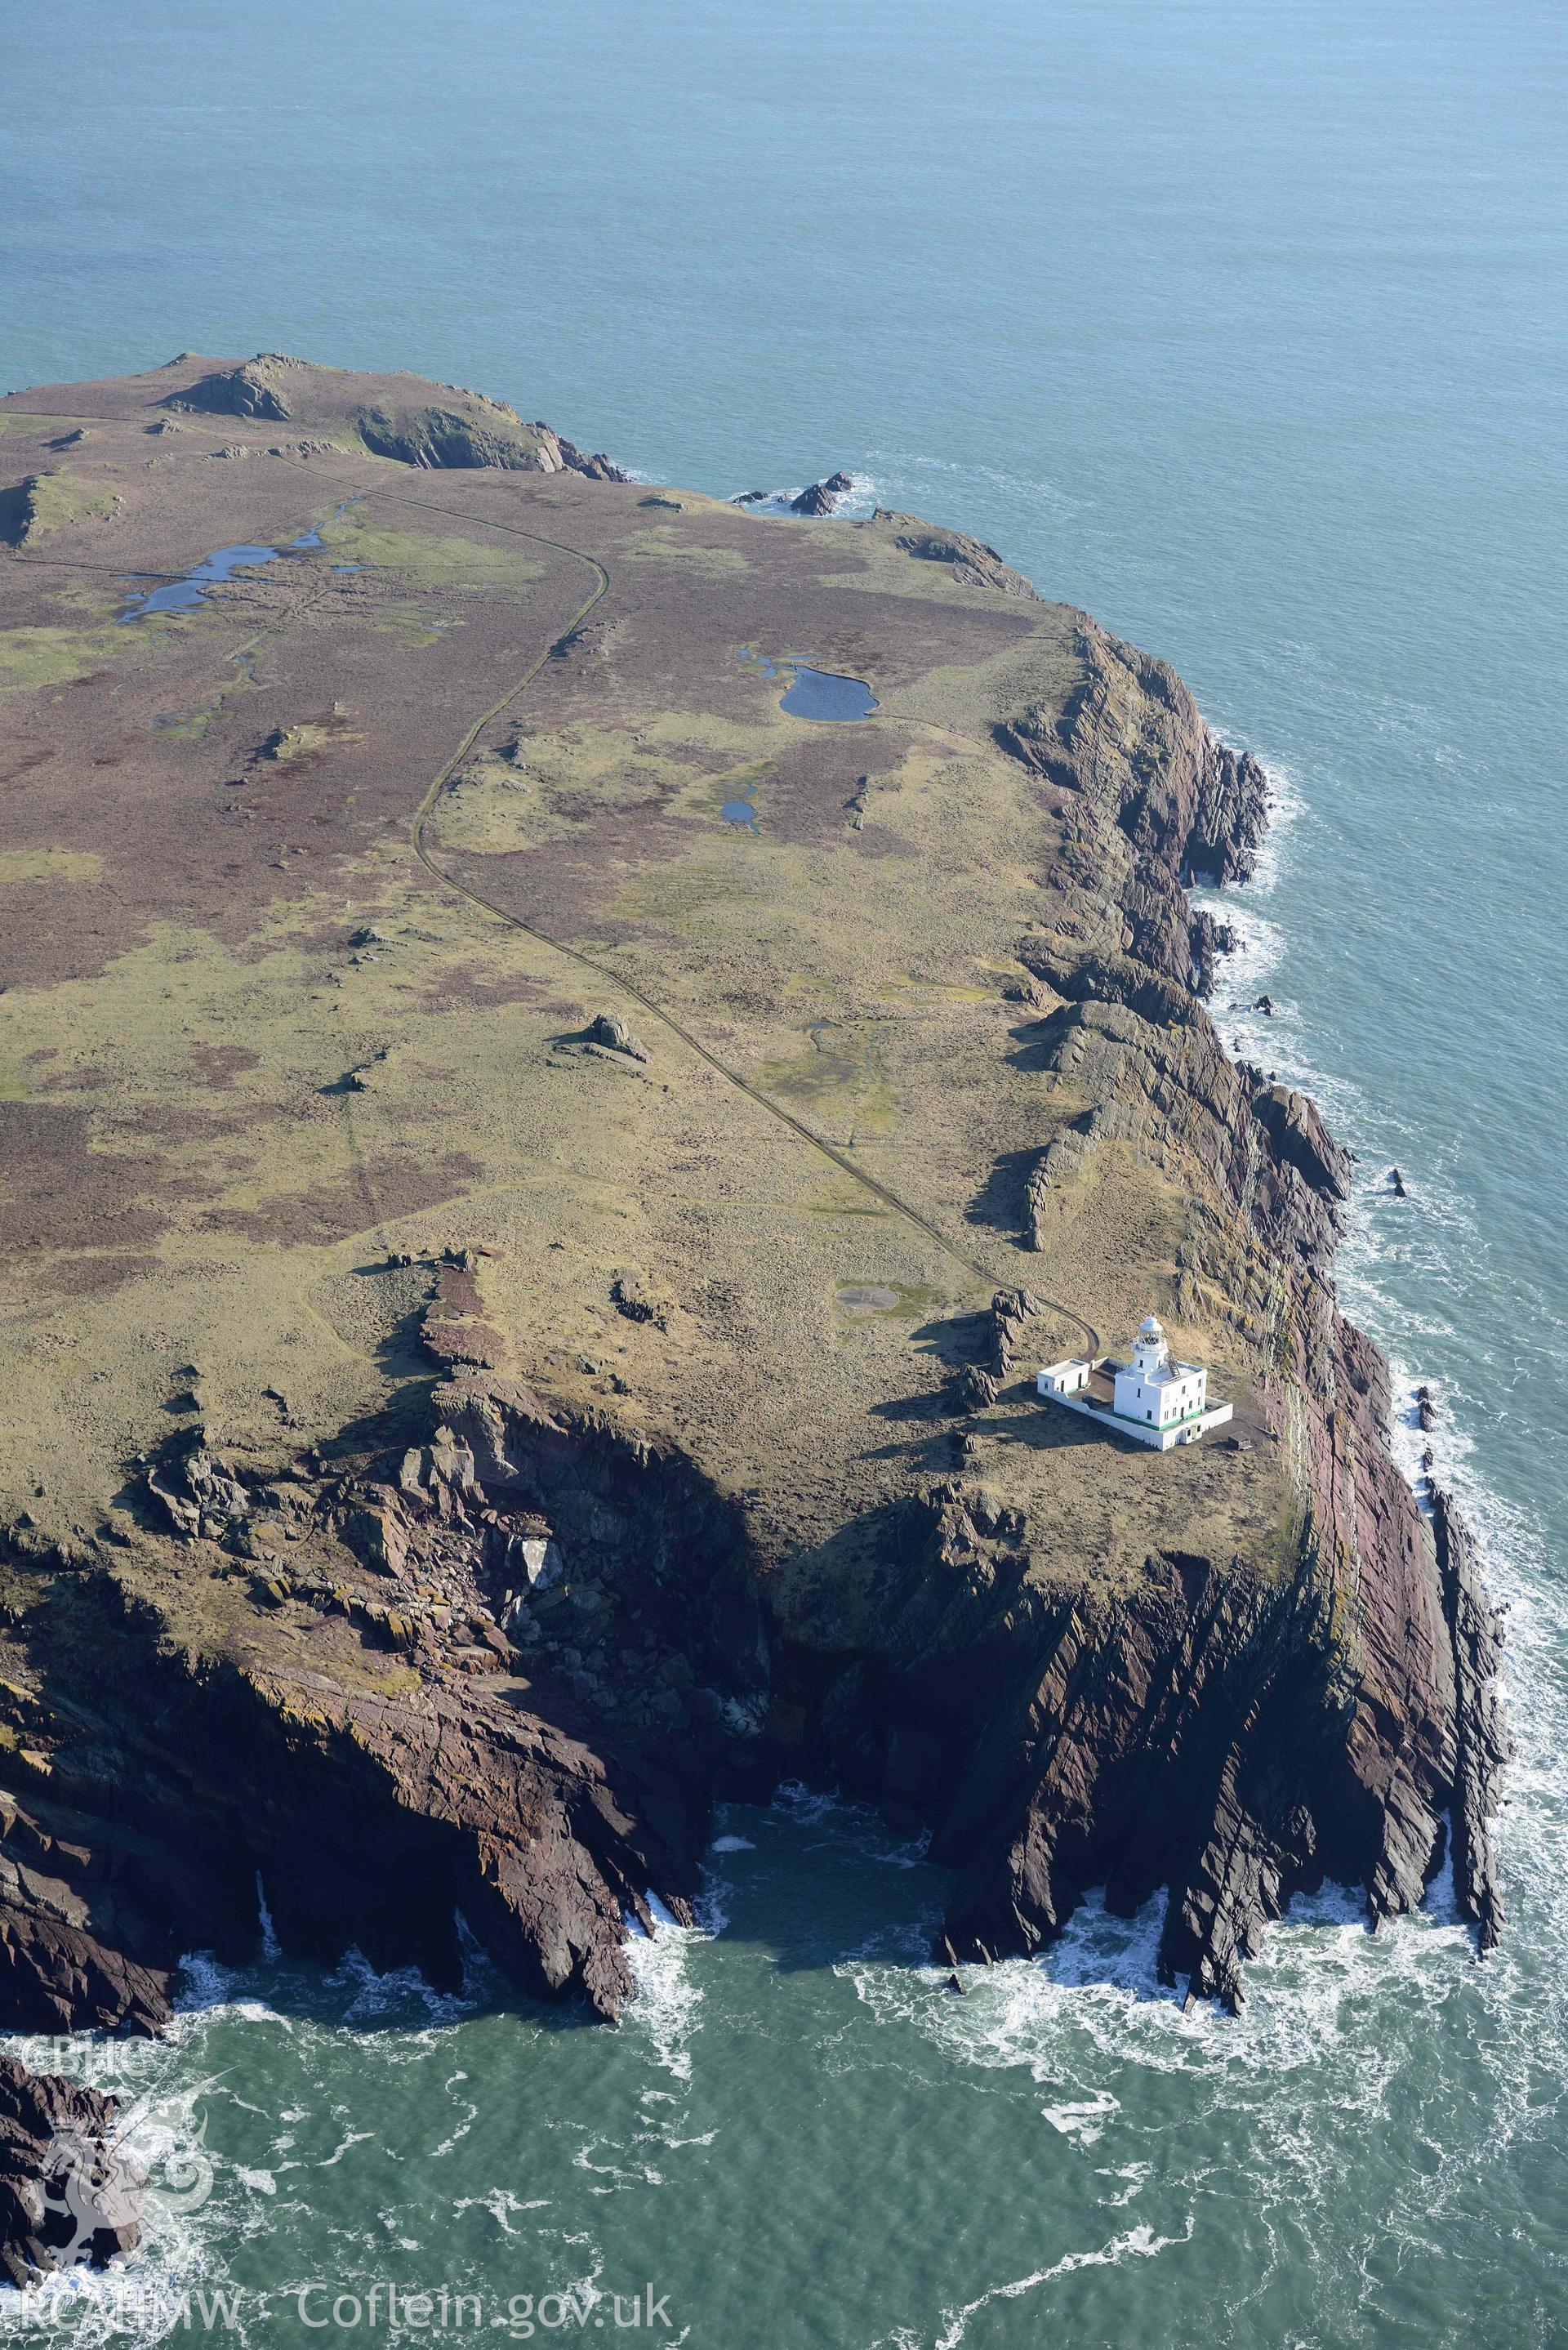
611, 1033
22, 511
970, 562
575, 1641
1012, 1310
437, 437
50, 502
597, 467
258, 387
1147, 799
823, 497
466, 430
67, 2195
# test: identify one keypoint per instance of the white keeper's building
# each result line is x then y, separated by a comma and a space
1153, 1399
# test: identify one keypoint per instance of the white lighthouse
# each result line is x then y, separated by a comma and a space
1155, 1389
1154, 1397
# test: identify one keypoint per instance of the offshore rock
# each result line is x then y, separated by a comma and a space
823, 497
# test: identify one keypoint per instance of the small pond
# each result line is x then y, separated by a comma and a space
183, 595
815, 693
819, 693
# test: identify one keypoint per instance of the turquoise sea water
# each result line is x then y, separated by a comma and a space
1239, 322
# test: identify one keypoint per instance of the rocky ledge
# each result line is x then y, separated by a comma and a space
495, 1676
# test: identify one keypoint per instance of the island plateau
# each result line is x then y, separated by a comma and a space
567, 1050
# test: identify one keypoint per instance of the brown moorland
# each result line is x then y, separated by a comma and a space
346, 1257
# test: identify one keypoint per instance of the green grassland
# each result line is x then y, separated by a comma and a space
426, 558
271, 1116
61, 499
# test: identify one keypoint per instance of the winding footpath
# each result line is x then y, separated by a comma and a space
985, 1276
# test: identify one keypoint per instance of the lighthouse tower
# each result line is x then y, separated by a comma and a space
1154, 1397
1156, 1391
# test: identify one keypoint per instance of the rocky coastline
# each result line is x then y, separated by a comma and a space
488, 1654
1231, 1743
1234, 1744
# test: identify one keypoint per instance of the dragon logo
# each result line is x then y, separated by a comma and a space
98, 2193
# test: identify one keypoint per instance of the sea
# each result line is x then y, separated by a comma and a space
1240, 323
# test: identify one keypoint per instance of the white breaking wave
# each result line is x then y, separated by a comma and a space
666, 2008
1138, 2243
1027, 489
857, 503
1084, 2120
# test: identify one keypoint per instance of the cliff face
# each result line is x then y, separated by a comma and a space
1233, 1742
1233, 1739
1149, 799
500, 1667
473, 1572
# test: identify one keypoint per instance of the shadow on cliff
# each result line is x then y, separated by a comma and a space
1038, 1041
1001, 1202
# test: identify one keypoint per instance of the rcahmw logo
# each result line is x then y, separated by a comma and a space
97, 2194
